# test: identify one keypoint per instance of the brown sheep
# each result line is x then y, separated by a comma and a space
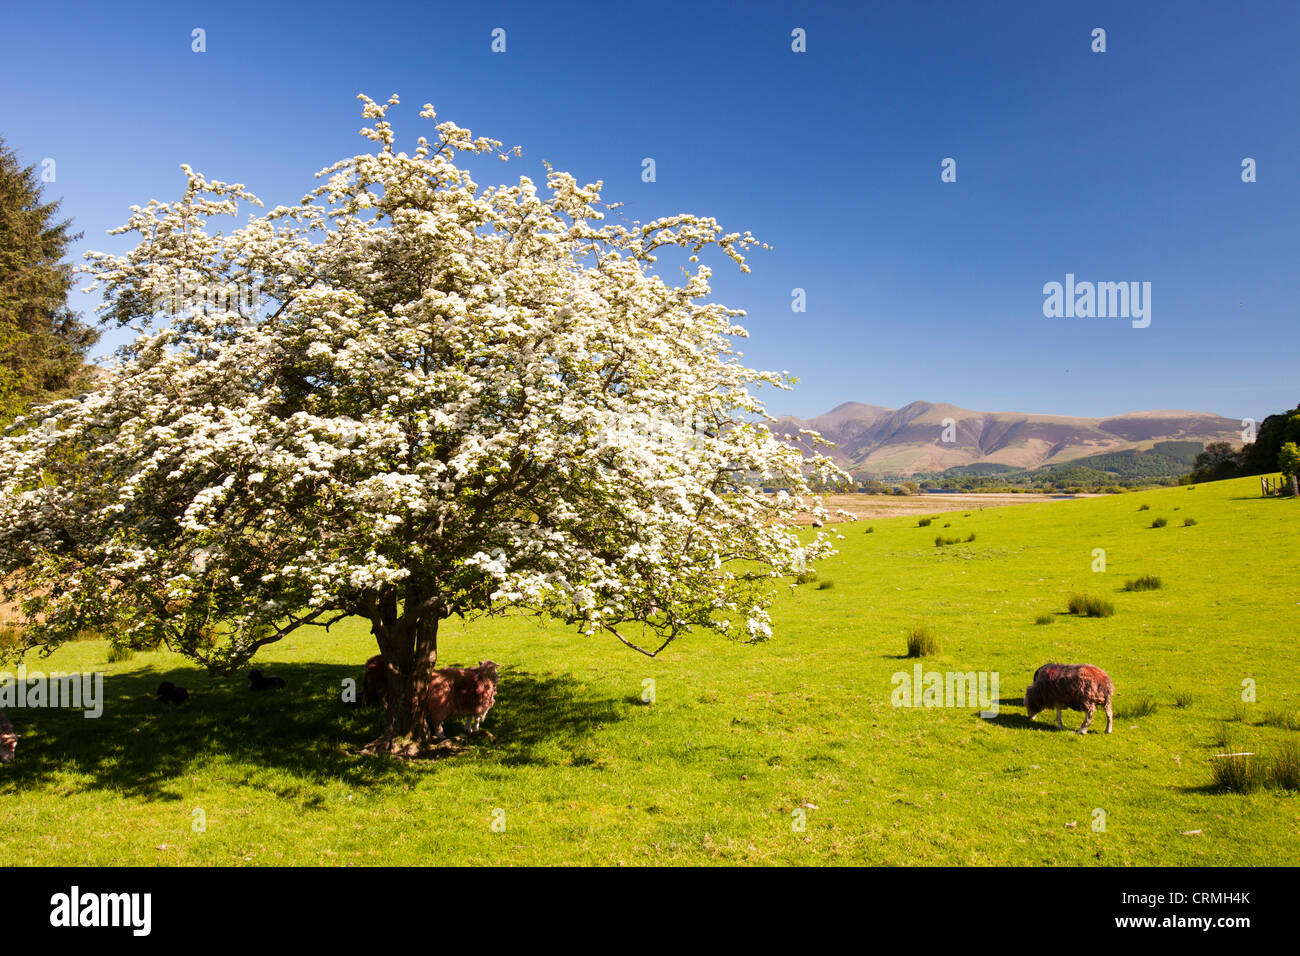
374, 685
466, 692
8, 739
1074, 686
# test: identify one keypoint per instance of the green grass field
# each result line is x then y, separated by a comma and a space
741, 738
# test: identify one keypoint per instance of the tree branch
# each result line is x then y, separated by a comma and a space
634, 647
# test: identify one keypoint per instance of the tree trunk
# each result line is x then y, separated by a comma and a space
411, 649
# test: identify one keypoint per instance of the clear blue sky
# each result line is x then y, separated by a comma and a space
1122, 166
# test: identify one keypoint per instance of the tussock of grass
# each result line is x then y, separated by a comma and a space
1284, 768
1183, 699
1188, 522
1280, 719
118, 653
1085, 605
1043, 619
825, 584
1142, 707
1225, 739
869, 530
1160, 522
924, 522
1238, 774
805, 577
921, 642
1245, 767
1144, 507
1148, 582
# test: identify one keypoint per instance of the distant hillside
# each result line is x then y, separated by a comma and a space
875, 441
1161, 463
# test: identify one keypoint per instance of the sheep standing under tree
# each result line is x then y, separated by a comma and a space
8, 739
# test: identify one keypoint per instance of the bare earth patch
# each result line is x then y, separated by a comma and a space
891, 506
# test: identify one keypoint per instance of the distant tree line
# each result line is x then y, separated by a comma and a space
1108, 472
874, 486
1263, 456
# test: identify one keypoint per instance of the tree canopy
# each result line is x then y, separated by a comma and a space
1260, 457
43, 343
1221, 460
1288, 462
1218, 461
403, 398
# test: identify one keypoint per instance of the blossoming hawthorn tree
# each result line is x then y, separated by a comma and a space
446, 400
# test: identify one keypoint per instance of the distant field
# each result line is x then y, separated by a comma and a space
743, 743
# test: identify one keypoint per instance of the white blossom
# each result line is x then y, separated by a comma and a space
416, 414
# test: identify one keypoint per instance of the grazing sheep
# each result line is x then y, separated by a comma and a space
257, 682
169, 693
1076, 686
466, 692
374, 684
8, 739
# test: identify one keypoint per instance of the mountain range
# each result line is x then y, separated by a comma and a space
932, 437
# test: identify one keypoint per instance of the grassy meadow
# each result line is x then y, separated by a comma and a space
742, 744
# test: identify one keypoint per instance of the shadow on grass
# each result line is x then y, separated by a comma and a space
1018, 720
533, 712
145, 748
1209, 790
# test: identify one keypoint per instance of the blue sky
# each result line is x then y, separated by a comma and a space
1115, 166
